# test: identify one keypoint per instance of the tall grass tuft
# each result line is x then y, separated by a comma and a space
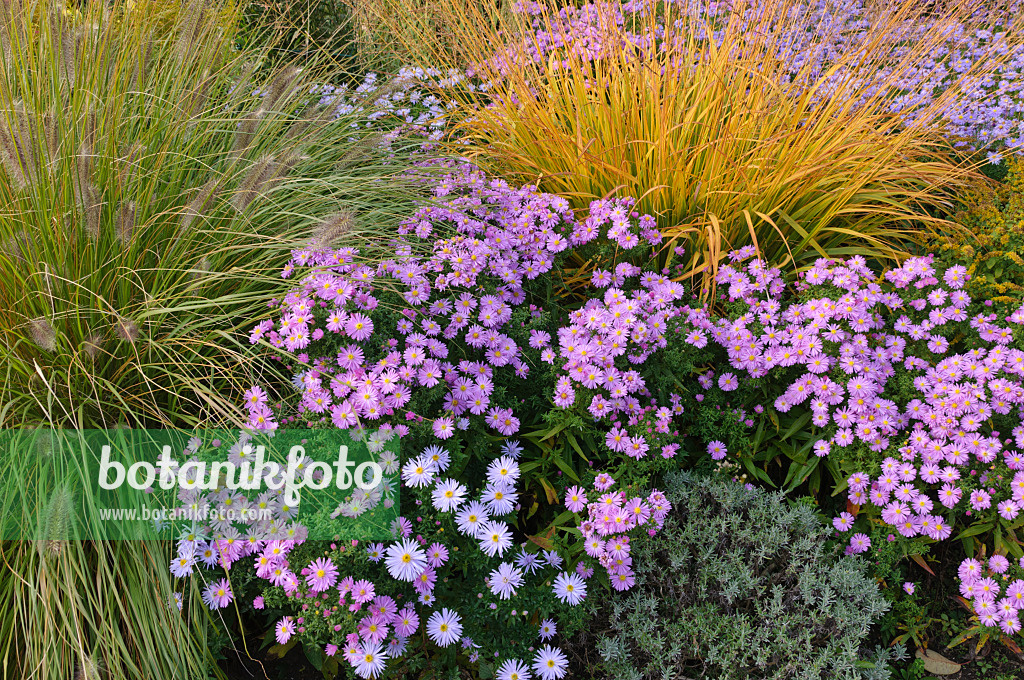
102, 610
732, 141
148, 201
153, 181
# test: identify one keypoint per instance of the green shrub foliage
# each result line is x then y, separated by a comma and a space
993, 246
739, 585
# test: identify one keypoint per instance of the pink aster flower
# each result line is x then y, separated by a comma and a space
1008, 510
575, 499
284, 630
359, 327
362, 591
980, 500
322, 575
405, 622
859, 543
218, 595
444, 428
844, 522
969, 570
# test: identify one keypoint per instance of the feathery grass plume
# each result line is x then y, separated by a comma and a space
16, 145
5, 36
45, 443
88, 129
52, 139
125, 222
358, 152
10, 157
89, 196
257, 179
42, 334
28, 133
83, 173
130, 164
194, 102
142, 59
92, 345
199, 205
15, 246
70, 56
126, 329
281, 87
203, 266
89, 669
201, 269
191, 27
92, 211
245, 134
287, 163
57, 521
332, 228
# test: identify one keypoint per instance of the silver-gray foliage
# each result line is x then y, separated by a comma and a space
739, 584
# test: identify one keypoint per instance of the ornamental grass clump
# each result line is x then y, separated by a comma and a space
152, 184
737, 584
804, 130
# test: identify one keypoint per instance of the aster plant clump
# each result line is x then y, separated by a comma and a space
505, 247
903, 390
435, 345
371, 605
898, 387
